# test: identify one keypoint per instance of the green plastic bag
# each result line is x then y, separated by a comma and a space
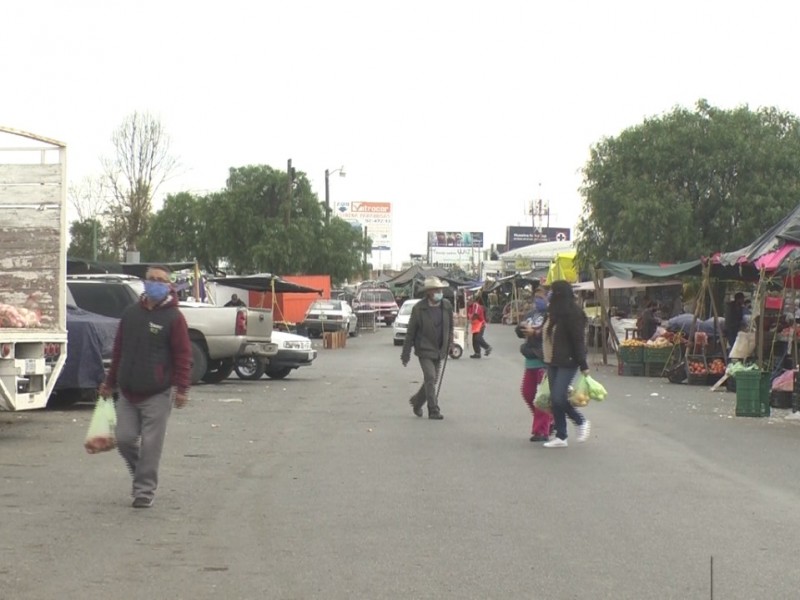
542, 398
594, 388
579, 392
101, 436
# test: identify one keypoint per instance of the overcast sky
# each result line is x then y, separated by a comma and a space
458, 113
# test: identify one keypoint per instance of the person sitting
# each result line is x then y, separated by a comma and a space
235, 301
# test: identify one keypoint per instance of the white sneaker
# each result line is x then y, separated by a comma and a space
555, 443
583, 430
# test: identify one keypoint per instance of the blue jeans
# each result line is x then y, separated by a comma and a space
560, 378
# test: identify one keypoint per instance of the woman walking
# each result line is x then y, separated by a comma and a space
530, 328
564, 350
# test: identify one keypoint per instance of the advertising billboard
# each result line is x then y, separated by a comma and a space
375, 216
519, 236
455, 239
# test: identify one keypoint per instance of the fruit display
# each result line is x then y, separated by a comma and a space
633, 343
698, 367
659, 342
717, 367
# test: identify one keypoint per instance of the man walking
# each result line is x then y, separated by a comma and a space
430, 332
476, 315
150, 364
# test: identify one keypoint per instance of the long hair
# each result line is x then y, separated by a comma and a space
562, 307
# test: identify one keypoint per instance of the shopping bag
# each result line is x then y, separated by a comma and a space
579, 391
101, 437
542, 398
594, 388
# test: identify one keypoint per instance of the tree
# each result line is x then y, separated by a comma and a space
255, 225
688, 184
177, 232
89, 241
140, 164
89, 197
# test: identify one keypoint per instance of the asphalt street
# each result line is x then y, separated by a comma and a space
325, 485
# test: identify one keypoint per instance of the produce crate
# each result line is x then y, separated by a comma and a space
696, 369
334, 339
632, 369
752, 394
657, 355
631, 354
778, 399
654, 369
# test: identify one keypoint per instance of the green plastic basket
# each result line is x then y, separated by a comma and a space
631, 354
657, 355
752, 394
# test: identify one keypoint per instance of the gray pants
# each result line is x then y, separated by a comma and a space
427, 391
141, 428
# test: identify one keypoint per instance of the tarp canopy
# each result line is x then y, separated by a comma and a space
264, 282
784, 233
630, 270
617, 283
416, 272
77, 266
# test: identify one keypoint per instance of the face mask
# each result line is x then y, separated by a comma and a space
437, 296
156, 290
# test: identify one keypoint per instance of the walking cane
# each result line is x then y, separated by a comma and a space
441, 376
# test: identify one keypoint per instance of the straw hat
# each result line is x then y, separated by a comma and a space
433, 283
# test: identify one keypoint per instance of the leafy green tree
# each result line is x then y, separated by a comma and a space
688, 184
177, 232
89, 238
260, 222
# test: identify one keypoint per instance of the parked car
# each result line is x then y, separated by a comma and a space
294, 351
381, 300
401, 323
90, 342
330, 315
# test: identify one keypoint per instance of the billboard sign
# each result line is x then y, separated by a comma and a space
375, 216
455, 239
517, 236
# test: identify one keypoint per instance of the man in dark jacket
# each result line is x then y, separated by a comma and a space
150, 363
430, 332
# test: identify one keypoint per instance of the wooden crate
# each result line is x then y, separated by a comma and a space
332, 340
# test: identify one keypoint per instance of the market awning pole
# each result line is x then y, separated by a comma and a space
715, 312
762, 304
599, 289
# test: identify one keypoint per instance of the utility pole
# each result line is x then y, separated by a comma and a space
327, 197
290, 177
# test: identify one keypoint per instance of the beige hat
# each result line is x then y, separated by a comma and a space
433, 283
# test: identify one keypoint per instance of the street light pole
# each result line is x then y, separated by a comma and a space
328, 174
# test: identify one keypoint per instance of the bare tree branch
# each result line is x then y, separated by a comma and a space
89, 198
140, 164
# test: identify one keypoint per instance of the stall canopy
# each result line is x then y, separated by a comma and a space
644, 271
617, 283
562, 268
264, 282
776, 246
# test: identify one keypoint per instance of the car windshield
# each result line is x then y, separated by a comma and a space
327, 305
406, 308
377, 296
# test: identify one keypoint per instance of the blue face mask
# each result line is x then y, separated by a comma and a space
156, 290
437, 296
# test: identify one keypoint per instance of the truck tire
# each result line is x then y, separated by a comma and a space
199, 362
219, 371
249, 368
278, 373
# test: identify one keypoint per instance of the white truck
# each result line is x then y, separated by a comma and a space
33, 257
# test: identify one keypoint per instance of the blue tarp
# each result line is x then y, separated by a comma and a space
90, 339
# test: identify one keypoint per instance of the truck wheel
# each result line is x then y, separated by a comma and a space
223, 369
278, 373
249, 367
199, 363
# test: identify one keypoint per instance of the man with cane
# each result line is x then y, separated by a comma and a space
430, 332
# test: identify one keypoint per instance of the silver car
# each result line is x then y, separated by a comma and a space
330, 315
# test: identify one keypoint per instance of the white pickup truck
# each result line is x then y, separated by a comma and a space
218, 333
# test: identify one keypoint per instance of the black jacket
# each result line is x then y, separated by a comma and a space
422, 335
568, 343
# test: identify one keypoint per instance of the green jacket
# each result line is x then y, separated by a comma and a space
421, 333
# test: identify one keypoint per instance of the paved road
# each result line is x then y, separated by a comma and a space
324, 485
